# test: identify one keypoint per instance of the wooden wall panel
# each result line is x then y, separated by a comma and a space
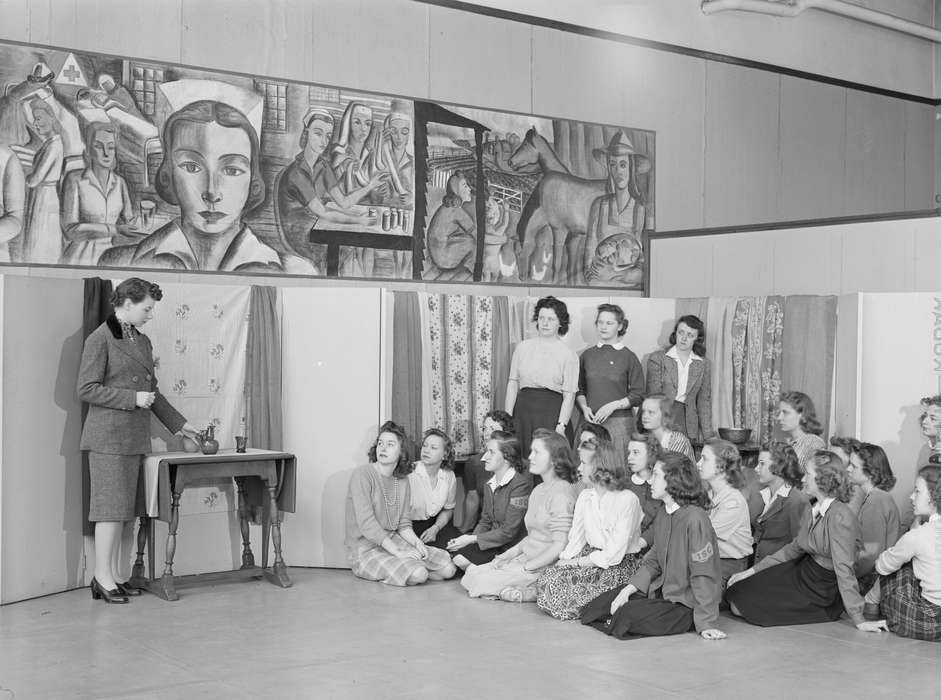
875, 154
919, 156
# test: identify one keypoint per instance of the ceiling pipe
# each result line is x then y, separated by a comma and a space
792, 8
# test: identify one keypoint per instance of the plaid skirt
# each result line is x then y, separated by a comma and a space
905, 609
376, 564
562, 591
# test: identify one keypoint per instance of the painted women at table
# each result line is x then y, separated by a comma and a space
212, 170
614, 253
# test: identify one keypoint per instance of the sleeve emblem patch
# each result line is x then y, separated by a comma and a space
519, 501
704, 554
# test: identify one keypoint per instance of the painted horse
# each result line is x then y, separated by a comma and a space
559, 205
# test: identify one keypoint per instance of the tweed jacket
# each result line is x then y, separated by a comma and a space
780, 524
663, 376
113, 370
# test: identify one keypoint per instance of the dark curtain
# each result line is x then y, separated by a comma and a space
406, 362
263, 371
96, 308
809, 339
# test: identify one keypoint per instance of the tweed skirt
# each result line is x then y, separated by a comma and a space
114, 486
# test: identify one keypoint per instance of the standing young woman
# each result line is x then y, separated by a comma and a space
875, 508
811, 579
610, 378
781, 478
601, 553
683, 374
118, 382
540, 392
506, 497
798, 421
379, 538
511, 576
434, 489
655, 415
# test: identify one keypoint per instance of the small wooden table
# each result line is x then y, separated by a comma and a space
262, 477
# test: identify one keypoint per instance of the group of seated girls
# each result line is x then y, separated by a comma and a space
649, 543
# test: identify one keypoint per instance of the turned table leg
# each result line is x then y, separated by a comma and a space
248, 559
138, 579
165, 587
279, 571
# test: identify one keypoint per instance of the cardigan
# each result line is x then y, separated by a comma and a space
663, 377
780, 523
504, 507
878, 525
112, 371
369, 519
833, 543
683, 564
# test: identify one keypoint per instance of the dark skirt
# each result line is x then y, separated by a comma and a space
114, 481
478, 556
638, 617
797, 592
906, 611
537, 408
447, 533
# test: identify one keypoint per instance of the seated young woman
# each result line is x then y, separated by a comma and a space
591, 437
475, 475
875, 508
683, 564
381, 544
720, 467
434, 489
655, 416
797, 419
603, 546
512, 575
909, 587
781, 478
643, 453
506, 497
811, 579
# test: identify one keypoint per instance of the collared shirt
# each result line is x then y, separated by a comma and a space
682, 371
86, 200
609, 522
769, 497
639, 481
821, 507
616, 346
430, 499
672, 508
507, 478
922, 547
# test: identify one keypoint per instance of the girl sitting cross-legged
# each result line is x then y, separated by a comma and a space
603, 543
678, 586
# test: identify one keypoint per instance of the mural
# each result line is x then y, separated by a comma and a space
113, 162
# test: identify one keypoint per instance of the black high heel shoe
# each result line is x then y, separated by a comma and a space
98, 592
126, 589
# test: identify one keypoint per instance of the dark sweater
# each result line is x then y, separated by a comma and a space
606, 374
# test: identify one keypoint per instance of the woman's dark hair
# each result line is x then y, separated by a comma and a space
452, 197
932, 476
666, 409
560, 309
801, 403
599, 431
931, 401
785, 462
729, 461
694, 322
405, 465
509, 446
847, 444
503, 418
560, 454
682, 480
206, 112
447, 462
609, 471
875, 465
831, 477
618, 313
654, 448
135, 289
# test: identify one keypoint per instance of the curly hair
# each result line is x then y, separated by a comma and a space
831, 477
801, 403
610, 471
558, 306
932, 476
694, 322
509, 446
563, 461
618, 313
682, 480
447, 462
405, 465
135, 289
666, 409
728, 461
654, 448
785, 463
503, 418
931, 401
847, 444
875, 465
599, 431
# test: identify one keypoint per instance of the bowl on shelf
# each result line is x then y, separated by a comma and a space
737, 436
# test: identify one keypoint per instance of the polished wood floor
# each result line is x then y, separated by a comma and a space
333, 636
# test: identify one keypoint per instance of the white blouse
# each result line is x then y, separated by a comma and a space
609, 522
428, 500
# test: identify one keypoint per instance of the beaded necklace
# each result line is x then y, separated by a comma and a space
391, 504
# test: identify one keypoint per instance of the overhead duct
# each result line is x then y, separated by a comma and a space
792, 8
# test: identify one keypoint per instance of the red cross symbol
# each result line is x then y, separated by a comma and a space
72, 74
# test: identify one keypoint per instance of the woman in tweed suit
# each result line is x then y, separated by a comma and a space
117, 380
